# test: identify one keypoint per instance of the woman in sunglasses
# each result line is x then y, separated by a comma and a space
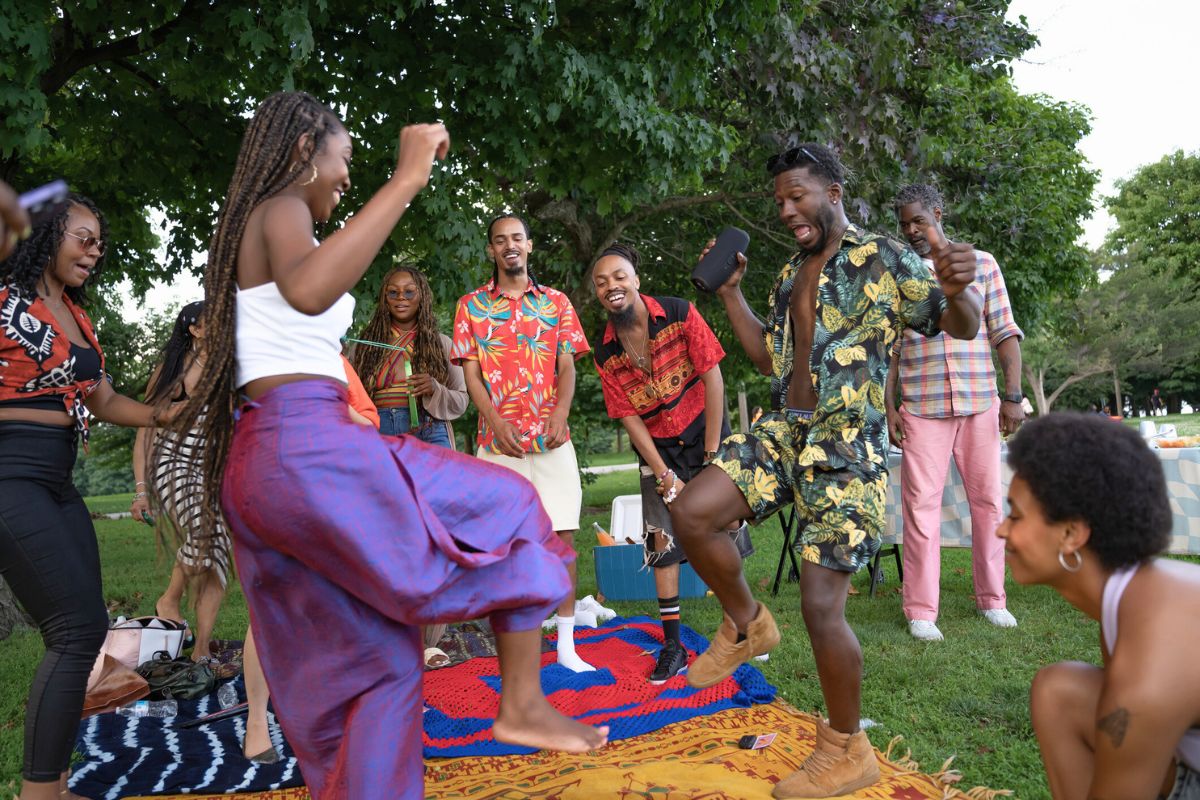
51, 377
415, 387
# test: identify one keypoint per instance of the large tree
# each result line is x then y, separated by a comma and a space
1157, 213
1134, 326
598, 119
646, 120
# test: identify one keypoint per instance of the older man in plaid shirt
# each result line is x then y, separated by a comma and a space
950, 408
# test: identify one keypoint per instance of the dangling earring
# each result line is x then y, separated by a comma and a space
313, 178
1078, 565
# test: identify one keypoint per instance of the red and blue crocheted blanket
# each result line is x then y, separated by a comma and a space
464, 700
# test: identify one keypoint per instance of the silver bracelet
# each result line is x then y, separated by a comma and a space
139, 495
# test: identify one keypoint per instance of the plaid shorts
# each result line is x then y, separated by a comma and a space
840, 512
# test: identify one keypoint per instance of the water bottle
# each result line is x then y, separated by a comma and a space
227, 695
603, 537
149, 708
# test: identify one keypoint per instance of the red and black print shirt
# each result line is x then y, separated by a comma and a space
682, 348
35, 354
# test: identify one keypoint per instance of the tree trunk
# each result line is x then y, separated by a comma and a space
1037, 382
1119, 407
12, 616
743, 411
620, 430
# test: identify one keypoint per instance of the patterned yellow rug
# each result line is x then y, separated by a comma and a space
694, 760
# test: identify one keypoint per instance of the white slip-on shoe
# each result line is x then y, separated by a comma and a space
924, 630
1000, 617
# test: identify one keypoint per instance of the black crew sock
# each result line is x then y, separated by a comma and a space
668, 612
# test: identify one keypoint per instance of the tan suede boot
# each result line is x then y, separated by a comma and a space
840, 764
725, 654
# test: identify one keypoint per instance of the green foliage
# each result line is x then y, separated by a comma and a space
652, 130
1133, 321
1158, 216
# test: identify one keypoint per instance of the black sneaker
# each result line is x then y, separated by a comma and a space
672, 661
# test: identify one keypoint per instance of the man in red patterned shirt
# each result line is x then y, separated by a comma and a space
517, 342
659, 368
950, 408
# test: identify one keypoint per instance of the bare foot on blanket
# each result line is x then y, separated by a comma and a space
538, 724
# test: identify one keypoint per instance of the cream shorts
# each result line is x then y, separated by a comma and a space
555, 475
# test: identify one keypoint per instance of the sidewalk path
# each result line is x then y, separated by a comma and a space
609, 468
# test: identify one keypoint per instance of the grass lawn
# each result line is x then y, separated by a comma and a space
1185, 424
607, 459
965, 697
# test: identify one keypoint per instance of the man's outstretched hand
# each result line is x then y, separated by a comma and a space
953, 262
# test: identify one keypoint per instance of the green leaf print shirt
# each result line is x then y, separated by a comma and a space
868, 290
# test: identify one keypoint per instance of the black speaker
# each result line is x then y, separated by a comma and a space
716, 267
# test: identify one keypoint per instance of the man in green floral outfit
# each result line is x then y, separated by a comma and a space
835, 311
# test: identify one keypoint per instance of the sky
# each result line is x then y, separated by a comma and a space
1133, 64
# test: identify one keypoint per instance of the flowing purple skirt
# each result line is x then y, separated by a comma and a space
345, 543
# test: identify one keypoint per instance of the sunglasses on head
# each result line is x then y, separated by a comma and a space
788, 158
89, 242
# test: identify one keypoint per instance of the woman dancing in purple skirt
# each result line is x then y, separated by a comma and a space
347, 542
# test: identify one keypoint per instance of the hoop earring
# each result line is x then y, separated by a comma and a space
1078, 565
313, 178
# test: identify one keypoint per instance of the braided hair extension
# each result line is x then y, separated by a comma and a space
428, 355
496, 269
26, 265
625, 251
175, 354
928, 196
265, 166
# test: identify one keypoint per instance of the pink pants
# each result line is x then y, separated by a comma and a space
974, 441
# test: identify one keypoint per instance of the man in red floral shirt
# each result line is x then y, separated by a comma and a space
659, 366
517, 343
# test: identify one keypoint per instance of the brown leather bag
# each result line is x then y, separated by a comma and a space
112, 685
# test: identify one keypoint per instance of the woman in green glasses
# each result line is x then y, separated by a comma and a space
411, 380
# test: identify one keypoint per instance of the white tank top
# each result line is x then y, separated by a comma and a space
275, 339
1188, 751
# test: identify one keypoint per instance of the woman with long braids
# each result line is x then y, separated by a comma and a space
177, 486
414, 387
51, 377
419, 369
335, 603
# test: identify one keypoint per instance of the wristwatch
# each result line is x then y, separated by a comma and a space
1012, 398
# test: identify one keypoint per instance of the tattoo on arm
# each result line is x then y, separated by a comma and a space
1114, 726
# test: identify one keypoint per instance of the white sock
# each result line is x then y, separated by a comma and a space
566, 646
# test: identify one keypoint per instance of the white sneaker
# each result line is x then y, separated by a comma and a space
589, 603
584, 618
924, 630
1000, 617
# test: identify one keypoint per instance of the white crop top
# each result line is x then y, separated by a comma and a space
275, 339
